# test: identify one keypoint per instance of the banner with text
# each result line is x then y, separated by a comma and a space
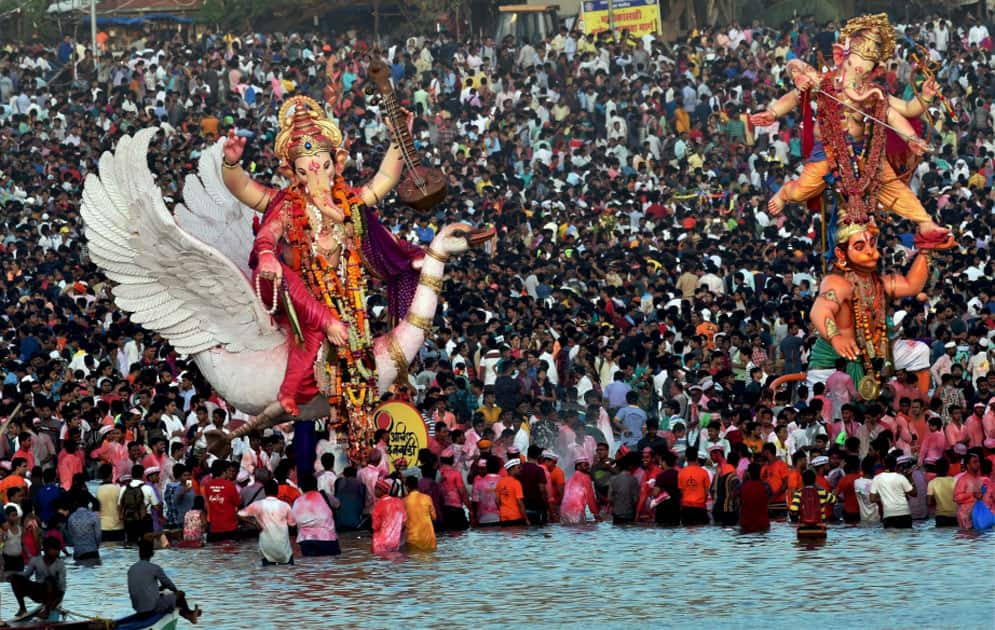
639, 17
406, 431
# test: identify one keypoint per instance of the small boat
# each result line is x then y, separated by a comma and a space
158, 621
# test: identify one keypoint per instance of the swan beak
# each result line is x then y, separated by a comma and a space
478, 236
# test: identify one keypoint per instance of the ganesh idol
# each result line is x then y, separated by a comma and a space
315, 246
846, 145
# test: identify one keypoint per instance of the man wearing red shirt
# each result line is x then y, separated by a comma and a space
25, 440
221, 497
845, 489
693, 481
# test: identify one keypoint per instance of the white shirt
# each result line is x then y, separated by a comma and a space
869, 512
891, 487
150, 499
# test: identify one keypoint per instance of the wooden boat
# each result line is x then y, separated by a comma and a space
163, 621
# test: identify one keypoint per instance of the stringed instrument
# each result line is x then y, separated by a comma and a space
421, 187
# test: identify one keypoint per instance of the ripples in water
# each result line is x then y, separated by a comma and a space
566, 576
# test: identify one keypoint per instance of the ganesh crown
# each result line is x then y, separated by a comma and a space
305, 131
870, 37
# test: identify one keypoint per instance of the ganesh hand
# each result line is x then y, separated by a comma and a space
337, 332
918, 146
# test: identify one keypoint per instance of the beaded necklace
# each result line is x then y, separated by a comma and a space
857, 176
347, 376
870, 317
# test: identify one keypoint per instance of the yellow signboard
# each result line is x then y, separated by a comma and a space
639, 17
406, 431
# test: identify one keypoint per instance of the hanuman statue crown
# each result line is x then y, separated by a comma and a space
870, 37
305, 131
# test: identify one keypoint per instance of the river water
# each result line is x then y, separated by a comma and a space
561, 576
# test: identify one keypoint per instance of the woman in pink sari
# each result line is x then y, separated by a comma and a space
578, 495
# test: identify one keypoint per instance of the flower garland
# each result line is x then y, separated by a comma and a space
343, 290
869, 314
857, 176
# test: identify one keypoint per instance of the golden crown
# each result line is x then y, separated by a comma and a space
306, 131
871, 37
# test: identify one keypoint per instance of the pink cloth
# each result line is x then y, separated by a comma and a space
988, 422
69, 464
389, 518
967, 484
368, 476
975, 431
110, 453
453, 487
827, 408
485, 496
933, 445
955, 433
315, 520
578, 496
840, 390
903, 434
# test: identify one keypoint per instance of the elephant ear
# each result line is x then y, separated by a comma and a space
838, 55
171, 282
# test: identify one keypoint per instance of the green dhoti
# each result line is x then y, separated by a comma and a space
823, 357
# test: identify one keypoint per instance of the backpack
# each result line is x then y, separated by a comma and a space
133, 504
810, 511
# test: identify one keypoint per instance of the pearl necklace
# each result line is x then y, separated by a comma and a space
259, 295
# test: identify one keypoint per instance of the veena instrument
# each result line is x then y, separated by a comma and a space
421, 187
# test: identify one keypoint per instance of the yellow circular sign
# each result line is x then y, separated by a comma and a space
406, 431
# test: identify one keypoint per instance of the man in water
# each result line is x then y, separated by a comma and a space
151, 590
275, 518
389, 519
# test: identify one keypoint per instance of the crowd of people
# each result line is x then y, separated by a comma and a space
610, 356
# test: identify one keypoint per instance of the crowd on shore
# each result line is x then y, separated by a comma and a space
610, 357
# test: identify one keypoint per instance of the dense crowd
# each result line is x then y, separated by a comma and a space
626, 323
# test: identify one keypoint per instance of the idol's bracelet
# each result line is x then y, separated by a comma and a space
431, 253
418, 321
431, 282
832, 329
226, 164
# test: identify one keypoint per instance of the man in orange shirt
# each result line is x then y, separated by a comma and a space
775, 474
706, 329
510, 498
693, 481
799, 462
19, 468
557, 482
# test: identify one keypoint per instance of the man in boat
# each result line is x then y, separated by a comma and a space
151, 590
49, 586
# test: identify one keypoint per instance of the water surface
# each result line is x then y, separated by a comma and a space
557, 576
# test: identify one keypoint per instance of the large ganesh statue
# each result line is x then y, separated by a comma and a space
272, 311
855, 135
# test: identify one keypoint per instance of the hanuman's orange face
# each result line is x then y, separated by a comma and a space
860, 251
